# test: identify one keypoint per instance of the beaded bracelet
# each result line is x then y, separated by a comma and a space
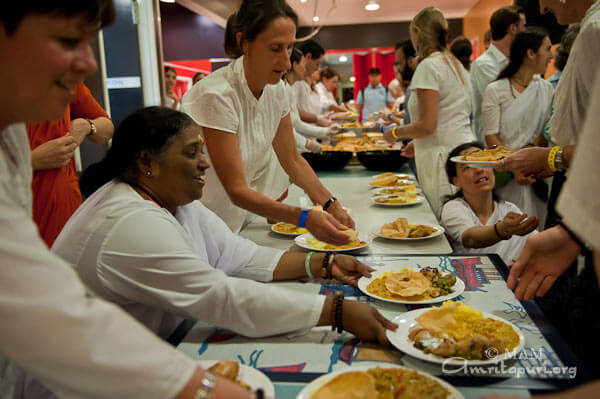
552, 158
338, 322
330, 266
324, 266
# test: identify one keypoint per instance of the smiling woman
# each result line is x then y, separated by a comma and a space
245, 119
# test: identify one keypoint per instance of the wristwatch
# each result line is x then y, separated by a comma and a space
558, 160
93, 128
206, 387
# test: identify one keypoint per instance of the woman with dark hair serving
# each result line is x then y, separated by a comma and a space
244, 116
142, 241
515, 110
477, 221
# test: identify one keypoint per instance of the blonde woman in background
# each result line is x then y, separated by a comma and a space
440, 106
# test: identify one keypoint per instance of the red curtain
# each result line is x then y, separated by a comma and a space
360, 66
385, 61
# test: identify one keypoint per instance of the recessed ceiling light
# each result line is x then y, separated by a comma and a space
372, 5
303, 1
352, 78
343, 58
168, 1
316, 19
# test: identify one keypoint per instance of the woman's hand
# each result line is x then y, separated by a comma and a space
349, 270
523, 180
326, 228
334, 128
515, 224
365, 322
409, 150
544, 258
53, 154
313, 145
337, 210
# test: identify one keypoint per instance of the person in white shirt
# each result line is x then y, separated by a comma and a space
329, 79
475, 220
51, 327
515, 110
244, 115
143, 241
171, 100
374, 97
505, 23
440, 106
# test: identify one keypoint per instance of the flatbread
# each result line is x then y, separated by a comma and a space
350, 385
406, 284
439, 320
489, 154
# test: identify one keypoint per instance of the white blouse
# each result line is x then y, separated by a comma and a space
307, 99
51, 327
573, 92
135, 254
325, 96
305, 129
457, 217
223, 101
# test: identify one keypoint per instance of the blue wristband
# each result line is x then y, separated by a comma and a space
303, 217
389, 117
381, 129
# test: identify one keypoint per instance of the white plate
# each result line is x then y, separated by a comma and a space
474, 164
251, 376
344, 116
309, 389
302, 241
282, 233
363, 282
417, 201
380, 190
404, 180
406, 321
439, 232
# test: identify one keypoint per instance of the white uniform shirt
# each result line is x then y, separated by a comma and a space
325, 96
307, 99
133, 253
579, 202
305, 129
80, 347
457, 217
453, 125
223, 101
485, 69
574, 88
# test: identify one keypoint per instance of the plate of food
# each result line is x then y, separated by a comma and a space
411, 286
401, 230
399, 176
308, 241
248, 377
378, 381
456, 334
288, 229
397, 190
391, 181
344, 116
484, 158
397, 200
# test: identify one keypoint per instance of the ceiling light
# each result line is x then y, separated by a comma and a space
316, 19
372, 5
168, 1
303, 1
352, 78
343, 58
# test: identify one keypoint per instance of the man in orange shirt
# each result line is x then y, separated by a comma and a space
55, 185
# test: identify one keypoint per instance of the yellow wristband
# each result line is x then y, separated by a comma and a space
394, 134
552, 158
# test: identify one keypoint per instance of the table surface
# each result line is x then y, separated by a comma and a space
293, 360
351, 187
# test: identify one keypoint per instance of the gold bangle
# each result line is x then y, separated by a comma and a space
552, 158
394, 134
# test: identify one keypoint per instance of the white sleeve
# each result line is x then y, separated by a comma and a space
77, 346
579, 203
262, 265
160, 270
212, 110
490, 112
301, 142
427, 76
455, 219
302, 96
307, 129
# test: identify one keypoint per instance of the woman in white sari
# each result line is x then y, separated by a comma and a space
516, 108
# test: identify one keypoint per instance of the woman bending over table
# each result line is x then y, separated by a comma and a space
475, 219
516, 108
142, 241
244, 116
440, 106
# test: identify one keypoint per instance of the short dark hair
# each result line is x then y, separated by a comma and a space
296, 56
311, 47
252, 18
503, 18
564, 49
13, 12
152, 129
197, 75
329, 73
407, 49
168, 68
374, 71
463, 50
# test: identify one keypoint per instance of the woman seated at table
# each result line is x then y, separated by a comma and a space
245, 119
476, 220
142, 240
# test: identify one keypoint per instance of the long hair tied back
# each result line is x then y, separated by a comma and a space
152, 129
530, 39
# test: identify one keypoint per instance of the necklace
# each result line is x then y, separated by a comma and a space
149, 196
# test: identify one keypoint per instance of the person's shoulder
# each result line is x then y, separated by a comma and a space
497, 84
453, 206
